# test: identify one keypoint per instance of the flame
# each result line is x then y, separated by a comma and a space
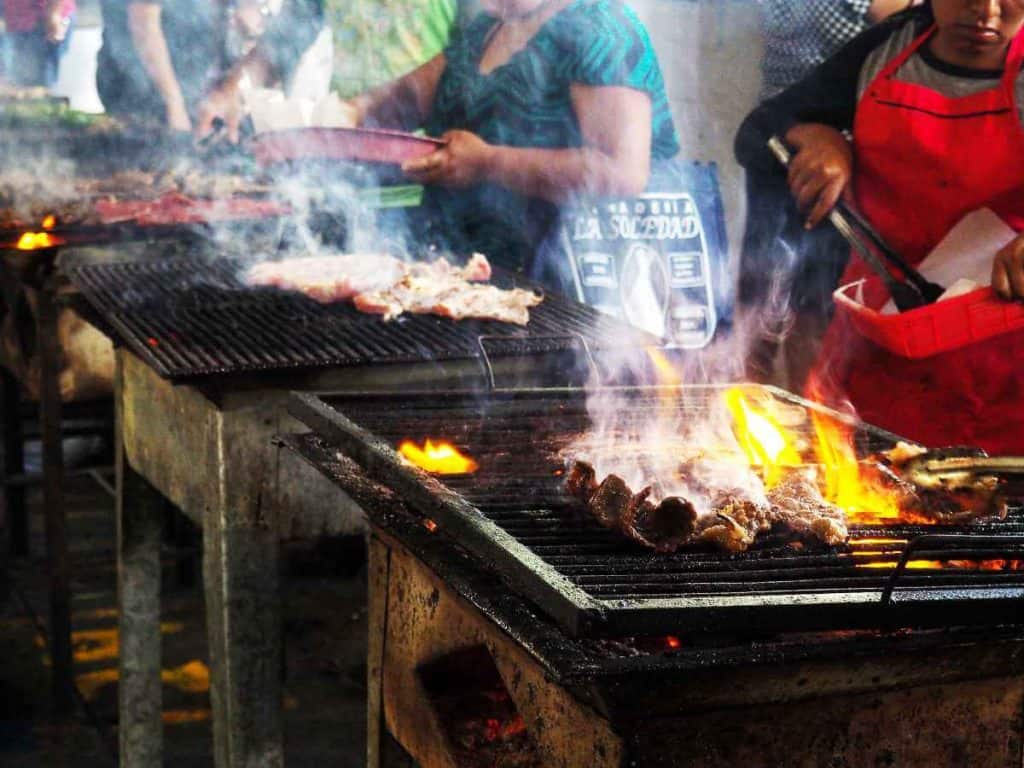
439, 457
765, 442
843, 483
50, 222
34, 241
663, 367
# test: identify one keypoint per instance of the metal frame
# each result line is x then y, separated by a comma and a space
580, 613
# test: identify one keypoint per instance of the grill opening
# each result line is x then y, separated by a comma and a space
515, 515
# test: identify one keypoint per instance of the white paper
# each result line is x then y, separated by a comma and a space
965, 254
271, 110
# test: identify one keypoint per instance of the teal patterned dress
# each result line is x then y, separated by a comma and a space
526, 103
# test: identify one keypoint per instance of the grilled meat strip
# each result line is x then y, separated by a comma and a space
663, 527
981, 498
795, 504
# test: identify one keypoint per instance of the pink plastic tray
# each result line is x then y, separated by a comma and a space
365, 145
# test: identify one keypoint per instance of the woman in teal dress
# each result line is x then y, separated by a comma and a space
540, 102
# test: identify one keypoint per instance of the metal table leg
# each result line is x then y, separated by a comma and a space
53, 498
140, 697
15, 513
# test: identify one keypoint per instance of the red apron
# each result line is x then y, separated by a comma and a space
923, 161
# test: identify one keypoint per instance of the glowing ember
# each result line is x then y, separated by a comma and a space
496, 729
430, 525
50, 222
34, 241
764, 441
673, 643
438, 457
912, 565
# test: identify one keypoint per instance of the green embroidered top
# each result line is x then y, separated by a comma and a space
377, 41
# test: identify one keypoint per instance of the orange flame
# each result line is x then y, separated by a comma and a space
49, 222
34, 241
765, 442
439, 457
844, 484
663, 367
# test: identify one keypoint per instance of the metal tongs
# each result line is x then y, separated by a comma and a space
916, 291
958, 469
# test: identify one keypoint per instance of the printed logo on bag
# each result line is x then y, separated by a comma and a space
647, 260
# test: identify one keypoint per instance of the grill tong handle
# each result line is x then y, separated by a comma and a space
906, 295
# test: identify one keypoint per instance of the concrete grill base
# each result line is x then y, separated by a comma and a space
415, 617
952, 697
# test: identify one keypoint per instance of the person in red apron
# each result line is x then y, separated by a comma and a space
920, 161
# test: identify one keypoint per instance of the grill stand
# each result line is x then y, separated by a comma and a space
38, 269
209, 451
953, 698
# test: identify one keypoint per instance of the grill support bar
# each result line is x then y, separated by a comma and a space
462, 522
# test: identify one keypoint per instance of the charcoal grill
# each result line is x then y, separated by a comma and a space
190, 318
515, 516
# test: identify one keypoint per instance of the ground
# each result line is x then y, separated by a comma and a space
325, 637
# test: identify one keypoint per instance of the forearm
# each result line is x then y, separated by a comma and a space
151, 48
402, 103
255, 64
559, 175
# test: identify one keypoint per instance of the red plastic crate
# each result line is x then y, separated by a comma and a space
932, 329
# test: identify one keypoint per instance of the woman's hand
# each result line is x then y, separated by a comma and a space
821, 170
56, 24
1008, 270
463, 161
225, 103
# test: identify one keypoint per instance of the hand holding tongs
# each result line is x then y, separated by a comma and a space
917, 291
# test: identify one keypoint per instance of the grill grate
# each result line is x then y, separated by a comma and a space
189, 317
516, 516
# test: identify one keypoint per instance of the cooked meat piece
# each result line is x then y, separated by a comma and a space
610, 501
663, 527
935, 505
796, 504
438, 288
329, 279
581, 481
383, 285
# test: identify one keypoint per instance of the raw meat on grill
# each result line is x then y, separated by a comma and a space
383, 285
795, 504
329, 279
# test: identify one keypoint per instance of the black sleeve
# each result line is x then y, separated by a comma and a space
828, 95
290, 34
